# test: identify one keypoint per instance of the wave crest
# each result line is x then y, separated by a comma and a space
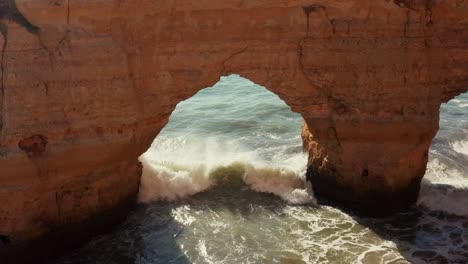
169, 182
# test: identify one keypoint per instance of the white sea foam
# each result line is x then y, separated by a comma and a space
176, 168
444, 189
286, 183
169, 182
461, 147
183, 215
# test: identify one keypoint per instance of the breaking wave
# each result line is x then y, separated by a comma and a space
171, 172
445, 185
444, 189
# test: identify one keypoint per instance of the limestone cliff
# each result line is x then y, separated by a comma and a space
87, 85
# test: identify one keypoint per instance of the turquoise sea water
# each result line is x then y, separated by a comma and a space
224, 183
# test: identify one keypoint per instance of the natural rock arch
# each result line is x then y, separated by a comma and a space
89, 89
195, 143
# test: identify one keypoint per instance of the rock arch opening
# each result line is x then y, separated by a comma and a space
445, 185
235, 132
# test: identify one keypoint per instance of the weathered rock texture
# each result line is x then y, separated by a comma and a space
87, 85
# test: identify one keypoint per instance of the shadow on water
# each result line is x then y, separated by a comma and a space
150, 233
422, 235
153, 233
232, 202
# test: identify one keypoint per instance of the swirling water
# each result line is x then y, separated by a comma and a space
224, 183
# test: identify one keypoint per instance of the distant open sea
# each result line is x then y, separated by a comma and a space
224, 182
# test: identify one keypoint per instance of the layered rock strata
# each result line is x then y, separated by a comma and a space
87, 85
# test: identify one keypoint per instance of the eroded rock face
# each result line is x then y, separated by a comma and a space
99, 79
34, 146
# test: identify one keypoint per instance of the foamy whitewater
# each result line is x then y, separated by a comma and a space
224, 182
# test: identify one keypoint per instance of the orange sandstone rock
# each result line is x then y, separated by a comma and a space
99, 79
33, 145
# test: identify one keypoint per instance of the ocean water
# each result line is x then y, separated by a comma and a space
224, 183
